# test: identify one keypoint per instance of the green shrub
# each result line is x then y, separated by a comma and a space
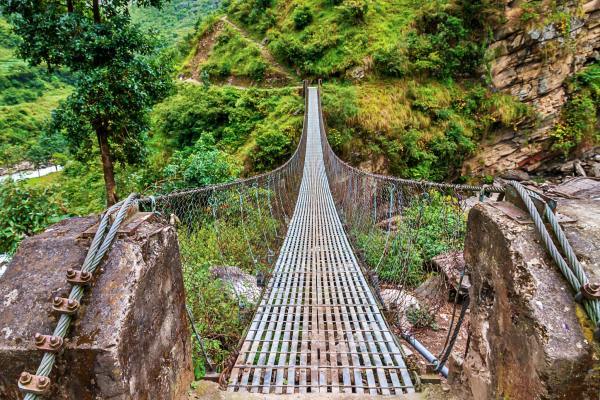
432, 224
353, 11
421, 317
579, 122
302, 16
23, 212
441, 46
273, 147
390, 61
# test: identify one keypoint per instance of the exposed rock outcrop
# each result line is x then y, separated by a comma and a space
532, 63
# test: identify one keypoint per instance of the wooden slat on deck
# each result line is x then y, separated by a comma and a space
318, 327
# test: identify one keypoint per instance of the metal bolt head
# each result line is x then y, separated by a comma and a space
71, 273
43, 382
25, 378
57, 301
39, 338
54, 341
85, 275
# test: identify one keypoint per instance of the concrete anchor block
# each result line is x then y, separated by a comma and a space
130, 338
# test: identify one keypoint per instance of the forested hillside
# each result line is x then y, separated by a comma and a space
27, 97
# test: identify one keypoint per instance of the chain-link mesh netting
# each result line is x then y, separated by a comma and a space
228, 232
406, 233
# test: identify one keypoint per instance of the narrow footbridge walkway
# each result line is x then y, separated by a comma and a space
318, 328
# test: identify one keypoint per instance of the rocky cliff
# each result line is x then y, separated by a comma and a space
535, 49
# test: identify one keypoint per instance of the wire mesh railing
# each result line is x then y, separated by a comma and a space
398, 226
235, 228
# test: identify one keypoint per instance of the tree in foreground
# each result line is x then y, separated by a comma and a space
120, 73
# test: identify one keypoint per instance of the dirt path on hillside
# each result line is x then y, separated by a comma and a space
205, 45
265, 53
278, 73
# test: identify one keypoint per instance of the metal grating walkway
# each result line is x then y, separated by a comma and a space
318, 327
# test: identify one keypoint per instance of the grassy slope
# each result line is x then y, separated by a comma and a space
27, 97
176, 19
337, 42
414, 125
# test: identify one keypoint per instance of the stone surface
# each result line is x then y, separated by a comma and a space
130, 339
515, 175
398, 299
243, 286
533, 63
451, 265
529, 339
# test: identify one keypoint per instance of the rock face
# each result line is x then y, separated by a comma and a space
532, 63
130, 339
243, 286
529, 338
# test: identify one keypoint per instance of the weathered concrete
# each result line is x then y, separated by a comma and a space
529, 338
130, 339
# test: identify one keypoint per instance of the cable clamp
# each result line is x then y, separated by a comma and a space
48, 343
29, 383
65, 306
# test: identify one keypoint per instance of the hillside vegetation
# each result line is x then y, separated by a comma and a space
27, 97
407, 91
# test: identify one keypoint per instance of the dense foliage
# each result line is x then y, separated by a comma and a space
27, 97
118, 69
431, 225
23, 212
429, 128
580, 117
234, 55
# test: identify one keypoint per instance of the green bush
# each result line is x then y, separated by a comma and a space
441, 46
431, 225
421, 317
579, 122
353, 11
390, 61
23, 212
273, 148
302, 16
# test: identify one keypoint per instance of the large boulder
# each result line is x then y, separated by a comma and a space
129, 340
530, 340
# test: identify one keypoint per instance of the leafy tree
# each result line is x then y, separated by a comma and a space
120, 73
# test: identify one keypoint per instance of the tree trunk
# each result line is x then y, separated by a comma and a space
96, 11
107, 168
70, 7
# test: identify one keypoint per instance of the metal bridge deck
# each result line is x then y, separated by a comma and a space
318, 327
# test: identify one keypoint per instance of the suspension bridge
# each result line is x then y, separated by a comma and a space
318, 327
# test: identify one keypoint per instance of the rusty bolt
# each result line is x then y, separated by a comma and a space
71, 304
43, 382
39, 339
55, 341
71, 273
57, 302
25, 378
591, 291
85, 275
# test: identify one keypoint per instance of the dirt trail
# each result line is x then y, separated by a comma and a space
265, 53
278, 73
